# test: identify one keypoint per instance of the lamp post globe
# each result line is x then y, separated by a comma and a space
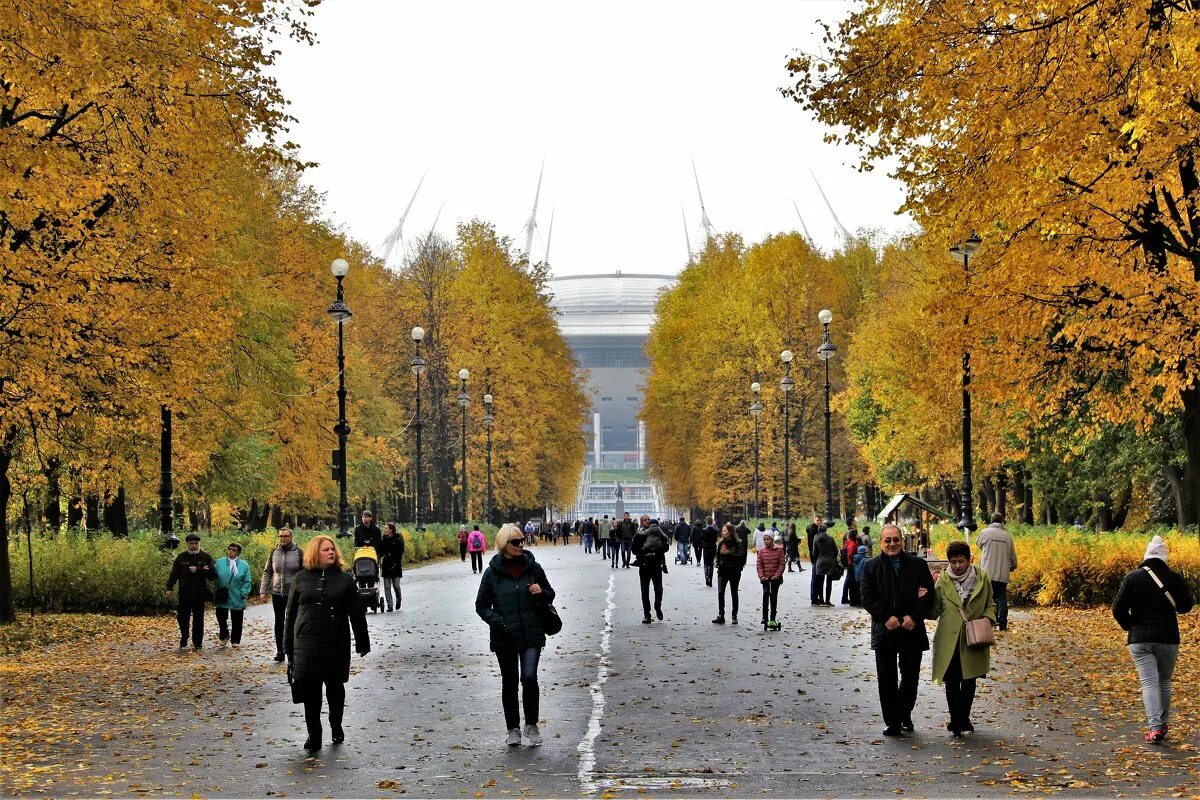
339, 312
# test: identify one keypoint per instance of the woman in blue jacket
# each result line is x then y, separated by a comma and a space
233, 575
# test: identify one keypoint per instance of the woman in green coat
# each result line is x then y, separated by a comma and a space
963, 589
233, 575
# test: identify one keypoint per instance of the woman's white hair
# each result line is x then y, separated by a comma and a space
508, 531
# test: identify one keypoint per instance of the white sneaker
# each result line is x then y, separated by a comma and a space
532, 734
514, 737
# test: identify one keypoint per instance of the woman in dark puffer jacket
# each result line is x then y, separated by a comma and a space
321, 609
513, 588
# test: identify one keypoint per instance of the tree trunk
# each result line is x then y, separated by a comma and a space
1103, 512
1121, 508
277, 517
91, 505
1027, 508
1187, 497
8, 609
53, 510
116, 518
988, 503
1018, 487
1002, 493
75, 505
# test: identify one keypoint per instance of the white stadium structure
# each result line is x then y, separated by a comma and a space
606, 320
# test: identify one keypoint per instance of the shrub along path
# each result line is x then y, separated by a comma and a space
691, 709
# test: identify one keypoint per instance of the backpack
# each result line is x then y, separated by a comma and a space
654, 543
475, 539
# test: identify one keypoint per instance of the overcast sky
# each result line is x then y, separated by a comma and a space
617, 98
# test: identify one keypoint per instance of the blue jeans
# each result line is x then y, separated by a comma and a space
587, 543
684, 549
519, 666
1000, 593
626, 551
1155, 664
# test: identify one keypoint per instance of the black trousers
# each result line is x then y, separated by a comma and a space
648, 574
223, 617
279, 604
1000, 593
192, 610
519, 666
462, 550
709, 560
477, 560
336, 692
731, 580
897, 699
770, 598
960, 693
822, 588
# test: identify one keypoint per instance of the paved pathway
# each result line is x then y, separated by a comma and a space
682, 707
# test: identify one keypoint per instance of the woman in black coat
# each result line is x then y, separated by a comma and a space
512, 592
321, 609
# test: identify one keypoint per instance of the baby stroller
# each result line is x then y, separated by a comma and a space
366, 575
687, 555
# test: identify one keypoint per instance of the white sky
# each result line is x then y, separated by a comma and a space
618, 98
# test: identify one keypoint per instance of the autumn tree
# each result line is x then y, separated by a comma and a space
1065, 134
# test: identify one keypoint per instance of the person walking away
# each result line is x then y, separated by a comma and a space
233, 575
769, 563
512, 592
603, 529
650, 546
683, 540
742, 531
998, 557
963, 592
391, 564
860, 559
462, 542
367, 533
1148, 606
192, 570
698, 541
476, 544
864, 540
730, 561
792, 543
846, 556
322, 609
588, 532
628, 530
759, 536
709, 541
566, 531
284, 561
897, 591
825, 562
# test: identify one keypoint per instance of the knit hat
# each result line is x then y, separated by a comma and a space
1156, 549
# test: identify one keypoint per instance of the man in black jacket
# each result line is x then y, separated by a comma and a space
192, 570
810, 533
709, 540
742, 531
683, 540
624, 532
1147, 606
367, 534
897, 591
650, 547
698, 540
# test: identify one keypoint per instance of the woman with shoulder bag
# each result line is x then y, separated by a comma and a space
513, 595
962, 595
229, 598
322, 608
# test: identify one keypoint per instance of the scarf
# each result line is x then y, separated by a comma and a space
964, 583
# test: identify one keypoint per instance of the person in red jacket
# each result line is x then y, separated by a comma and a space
770, 563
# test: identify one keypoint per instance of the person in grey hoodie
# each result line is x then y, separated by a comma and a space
998, 558
282, 565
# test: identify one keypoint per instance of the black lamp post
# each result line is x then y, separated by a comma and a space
340, 313
463, 401
786, 385
166, 490
756, 408
418, 367
963, 252
825, 352
488, 421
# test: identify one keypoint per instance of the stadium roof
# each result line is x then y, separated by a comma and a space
614, 304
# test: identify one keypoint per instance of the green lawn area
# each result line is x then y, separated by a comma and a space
622, 475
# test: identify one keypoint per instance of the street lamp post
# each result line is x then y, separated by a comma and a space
488, 421
786, 385
418, 367
756, 409
463, 401
340, 313
825, 352
963, 252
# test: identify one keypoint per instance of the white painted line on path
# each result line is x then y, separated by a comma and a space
587, 745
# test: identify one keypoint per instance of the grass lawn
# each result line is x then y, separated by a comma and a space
622, 475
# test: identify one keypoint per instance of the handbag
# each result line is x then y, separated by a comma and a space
296, 686
548, 616
221, 595
979, 631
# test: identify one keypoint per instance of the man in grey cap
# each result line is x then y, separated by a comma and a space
192, 570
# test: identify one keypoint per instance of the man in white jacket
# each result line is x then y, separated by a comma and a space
998, 558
